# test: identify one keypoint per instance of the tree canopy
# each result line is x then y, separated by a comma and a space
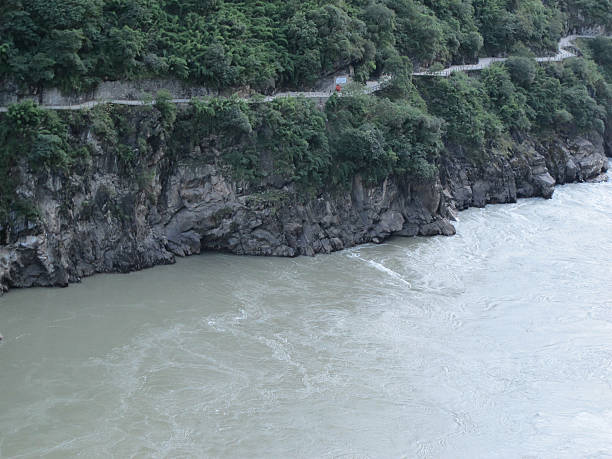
75, 44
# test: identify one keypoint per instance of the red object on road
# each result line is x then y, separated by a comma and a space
338, 88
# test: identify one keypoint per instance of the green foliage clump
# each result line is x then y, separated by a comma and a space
504, 99
223, 116
589, 13
601, 52
516, 98
522, 70
376, 137
285, 138
505, 24
289, 140
292, 131
36, 138
463, 103
575, 88
35, 134
166, 108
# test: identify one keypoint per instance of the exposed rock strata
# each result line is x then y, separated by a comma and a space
100, 221
532, 170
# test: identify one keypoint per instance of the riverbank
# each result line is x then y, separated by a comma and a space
118, 189
99, 221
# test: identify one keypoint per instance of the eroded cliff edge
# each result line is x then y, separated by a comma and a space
104, 217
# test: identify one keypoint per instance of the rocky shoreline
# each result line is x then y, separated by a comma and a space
99, 221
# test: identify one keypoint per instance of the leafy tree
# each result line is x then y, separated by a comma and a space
377, 137
589, 13
522, 70
462, 103
506, 101
601, 51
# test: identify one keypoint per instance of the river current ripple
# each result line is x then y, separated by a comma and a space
494, 343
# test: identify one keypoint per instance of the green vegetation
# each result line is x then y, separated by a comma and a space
377, 137
37, 138
231, 43
516, 98
600, 51
290, 140
462, 103
575, 88
588, 13
505, 25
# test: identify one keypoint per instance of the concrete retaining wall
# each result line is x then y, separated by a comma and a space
107, 90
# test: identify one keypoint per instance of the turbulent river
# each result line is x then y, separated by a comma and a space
494, 343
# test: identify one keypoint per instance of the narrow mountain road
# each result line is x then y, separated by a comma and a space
370, 87
483, 63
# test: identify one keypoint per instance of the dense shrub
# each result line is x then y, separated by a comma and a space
575, 88
32, 137
504, 24
522, 70
588, 13
601, 51
516, 98
377, 137
462, 102
505, 99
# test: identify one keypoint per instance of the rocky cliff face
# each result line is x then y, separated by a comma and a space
100, 219
532, 169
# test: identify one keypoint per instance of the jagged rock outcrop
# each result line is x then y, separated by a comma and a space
100, 220
532, 170
106, 226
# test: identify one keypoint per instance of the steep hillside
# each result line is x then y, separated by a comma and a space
266, 44
121, 188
